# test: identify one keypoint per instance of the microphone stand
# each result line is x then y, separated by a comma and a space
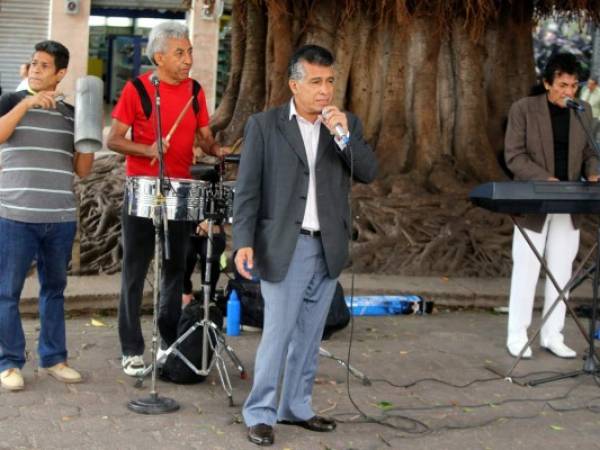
154, 404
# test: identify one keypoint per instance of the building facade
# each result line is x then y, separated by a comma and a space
106, 38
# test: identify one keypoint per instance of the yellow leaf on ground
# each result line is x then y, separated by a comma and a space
97, 323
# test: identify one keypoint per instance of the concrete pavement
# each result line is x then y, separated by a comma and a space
451, 345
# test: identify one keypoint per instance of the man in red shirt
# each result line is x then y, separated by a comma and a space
170, 50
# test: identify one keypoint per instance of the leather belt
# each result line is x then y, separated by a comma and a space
311, 233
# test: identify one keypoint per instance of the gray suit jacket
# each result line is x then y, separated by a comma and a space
529, 147
272, 186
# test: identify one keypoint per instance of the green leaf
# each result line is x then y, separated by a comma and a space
556, 427
385, 405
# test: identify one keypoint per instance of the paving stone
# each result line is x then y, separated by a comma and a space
53, 412
61, 440
17, 399
124, 440
12, 439
8, 412
87, 424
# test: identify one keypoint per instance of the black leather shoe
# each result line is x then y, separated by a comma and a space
261, 434
315, 423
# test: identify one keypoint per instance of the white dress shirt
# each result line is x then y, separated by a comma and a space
310, 136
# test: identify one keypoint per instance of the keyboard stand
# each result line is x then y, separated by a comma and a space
591, 365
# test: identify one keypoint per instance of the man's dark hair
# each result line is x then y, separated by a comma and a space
312, 54
559, 64
57, 50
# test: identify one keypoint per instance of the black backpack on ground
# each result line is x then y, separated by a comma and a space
174, 369
338, 317
253, 306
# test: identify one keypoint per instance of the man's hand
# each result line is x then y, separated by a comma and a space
43, 100
221, 151
244, 261
202, 229
332, 116
197, 151
214, 150
552, 179
152, 151
593, 178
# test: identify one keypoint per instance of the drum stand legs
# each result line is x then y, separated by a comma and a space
212, 335
154, 404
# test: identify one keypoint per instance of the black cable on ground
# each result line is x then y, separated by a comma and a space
388, 415
416, 424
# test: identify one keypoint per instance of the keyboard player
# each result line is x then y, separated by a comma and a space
545, 141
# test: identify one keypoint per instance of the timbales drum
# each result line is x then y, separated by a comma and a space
184, 199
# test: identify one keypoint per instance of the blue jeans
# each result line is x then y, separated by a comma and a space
20, 244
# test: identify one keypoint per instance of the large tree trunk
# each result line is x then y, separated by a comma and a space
433, 100
427, 96
250, 92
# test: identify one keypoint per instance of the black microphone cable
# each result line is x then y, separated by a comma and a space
415, 426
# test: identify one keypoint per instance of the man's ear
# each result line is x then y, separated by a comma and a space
61, 74
158, 59
547, 85
293, 84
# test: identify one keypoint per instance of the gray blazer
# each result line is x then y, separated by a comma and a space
529, 147
272, 186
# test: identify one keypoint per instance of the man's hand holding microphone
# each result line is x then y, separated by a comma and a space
337, 123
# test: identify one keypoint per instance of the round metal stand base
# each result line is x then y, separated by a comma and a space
153, 405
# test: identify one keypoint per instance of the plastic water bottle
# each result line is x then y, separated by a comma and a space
233, 314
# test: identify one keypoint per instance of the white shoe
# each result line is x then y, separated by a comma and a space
133, 365
559, 349
514, 348
11, 379
62, 372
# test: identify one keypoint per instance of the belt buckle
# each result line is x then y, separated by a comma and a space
311, 233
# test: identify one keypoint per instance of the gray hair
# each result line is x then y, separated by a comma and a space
297, 71
312, 54
157, 41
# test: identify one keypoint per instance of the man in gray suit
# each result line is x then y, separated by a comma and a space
292, 223
545, 141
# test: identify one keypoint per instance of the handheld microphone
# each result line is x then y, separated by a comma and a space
341, 134
154, 79
339, 130
572, 104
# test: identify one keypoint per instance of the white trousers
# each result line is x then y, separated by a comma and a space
559, 243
